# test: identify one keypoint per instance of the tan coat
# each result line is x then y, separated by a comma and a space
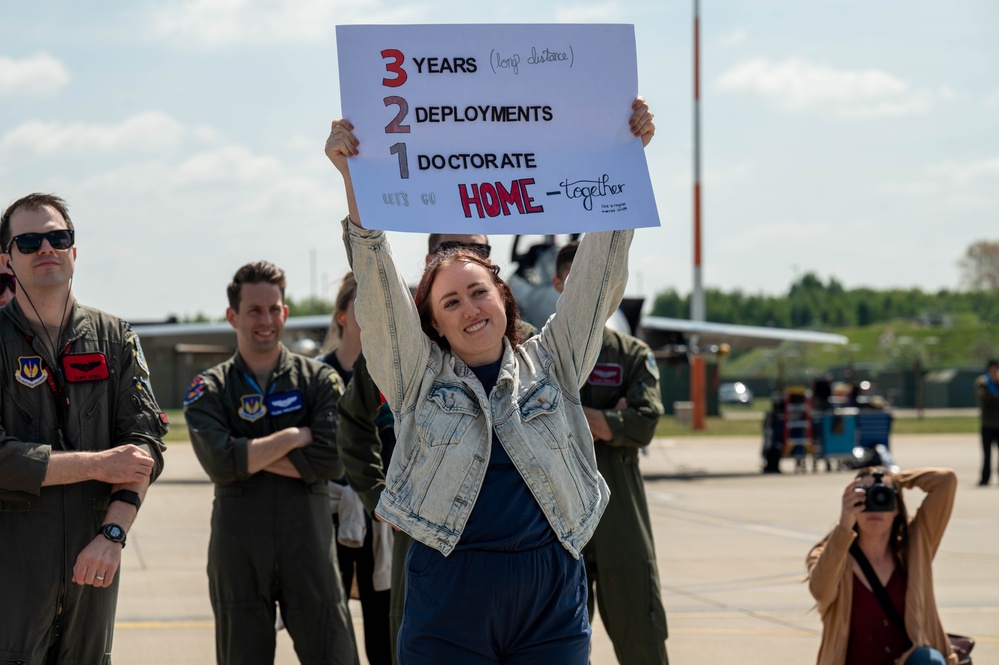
831, 573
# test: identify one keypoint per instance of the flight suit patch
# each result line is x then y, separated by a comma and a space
606, 374
337, 381
30, 371
282, 403
140, 357
251, 407
195, 391
651, 364
80, 367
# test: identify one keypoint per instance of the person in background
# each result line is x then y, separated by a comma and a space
622, 406
263, 426
81, 439
363, 546
856, 628
987, 392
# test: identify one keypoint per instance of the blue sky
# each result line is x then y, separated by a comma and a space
853, 139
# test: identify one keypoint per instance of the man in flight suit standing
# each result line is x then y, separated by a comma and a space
80, 441
622, 404
263, 425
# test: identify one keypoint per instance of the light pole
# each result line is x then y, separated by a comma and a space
697, 370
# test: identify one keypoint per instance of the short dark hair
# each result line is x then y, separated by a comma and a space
254, 273
566, 255
433, 242
32, 202
992, 363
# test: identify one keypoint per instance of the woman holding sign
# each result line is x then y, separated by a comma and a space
494, 473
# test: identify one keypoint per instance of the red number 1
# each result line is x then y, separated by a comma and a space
394, 67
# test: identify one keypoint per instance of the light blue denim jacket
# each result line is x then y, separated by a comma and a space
444, 419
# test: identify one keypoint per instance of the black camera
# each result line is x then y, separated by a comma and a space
880, 497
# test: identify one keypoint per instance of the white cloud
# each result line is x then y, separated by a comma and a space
734, 38
607, 12
992, 101
149, 131
230, 165
954, 185
797, 84
960, 173
226, 22
41, 74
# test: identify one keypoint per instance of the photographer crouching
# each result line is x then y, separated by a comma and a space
886, 614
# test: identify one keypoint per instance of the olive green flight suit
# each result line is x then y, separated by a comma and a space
361, 450
620, 558
272, 537
94, 396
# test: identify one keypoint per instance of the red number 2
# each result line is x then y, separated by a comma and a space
395, 127
394, 67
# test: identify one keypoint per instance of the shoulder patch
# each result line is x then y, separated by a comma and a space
651, 364
195, 391
337, 382
137, 354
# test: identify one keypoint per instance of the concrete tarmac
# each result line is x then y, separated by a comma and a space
731, 546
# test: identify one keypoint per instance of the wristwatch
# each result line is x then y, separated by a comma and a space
114, 533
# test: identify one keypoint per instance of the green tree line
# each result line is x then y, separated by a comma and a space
812, 303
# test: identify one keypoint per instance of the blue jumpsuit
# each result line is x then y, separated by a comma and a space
510, 592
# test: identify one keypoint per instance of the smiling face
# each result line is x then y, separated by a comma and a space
48, 268
259, 320
469, 312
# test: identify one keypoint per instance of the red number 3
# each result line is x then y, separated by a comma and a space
394, 67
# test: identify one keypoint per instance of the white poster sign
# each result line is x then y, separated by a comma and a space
496, 129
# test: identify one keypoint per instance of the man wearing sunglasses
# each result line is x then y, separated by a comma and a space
8, 285
80, 441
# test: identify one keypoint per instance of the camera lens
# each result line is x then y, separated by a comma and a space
880, 498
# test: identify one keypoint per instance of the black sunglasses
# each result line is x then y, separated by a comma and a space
29, 243
479, 248
7, 281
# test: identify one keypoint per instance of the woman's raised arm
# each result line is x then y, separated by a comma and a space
340, 146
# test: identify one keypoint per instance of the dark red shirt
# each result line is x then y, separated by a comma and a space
874, 638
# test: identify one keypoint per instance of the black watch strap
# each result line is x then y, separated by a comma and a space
128, 496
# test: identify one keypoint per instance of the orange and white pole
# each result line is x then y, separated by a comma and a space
698, 386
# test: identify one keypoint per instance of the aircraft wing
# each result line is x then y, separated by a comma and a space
659, 331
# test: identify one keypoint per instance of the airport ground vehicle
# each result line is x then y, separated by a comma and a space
736, 394
845, 429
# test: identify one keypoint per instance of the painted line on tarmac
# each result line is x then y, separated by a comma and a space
180, 624
746, 583
729, 523
742, 631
